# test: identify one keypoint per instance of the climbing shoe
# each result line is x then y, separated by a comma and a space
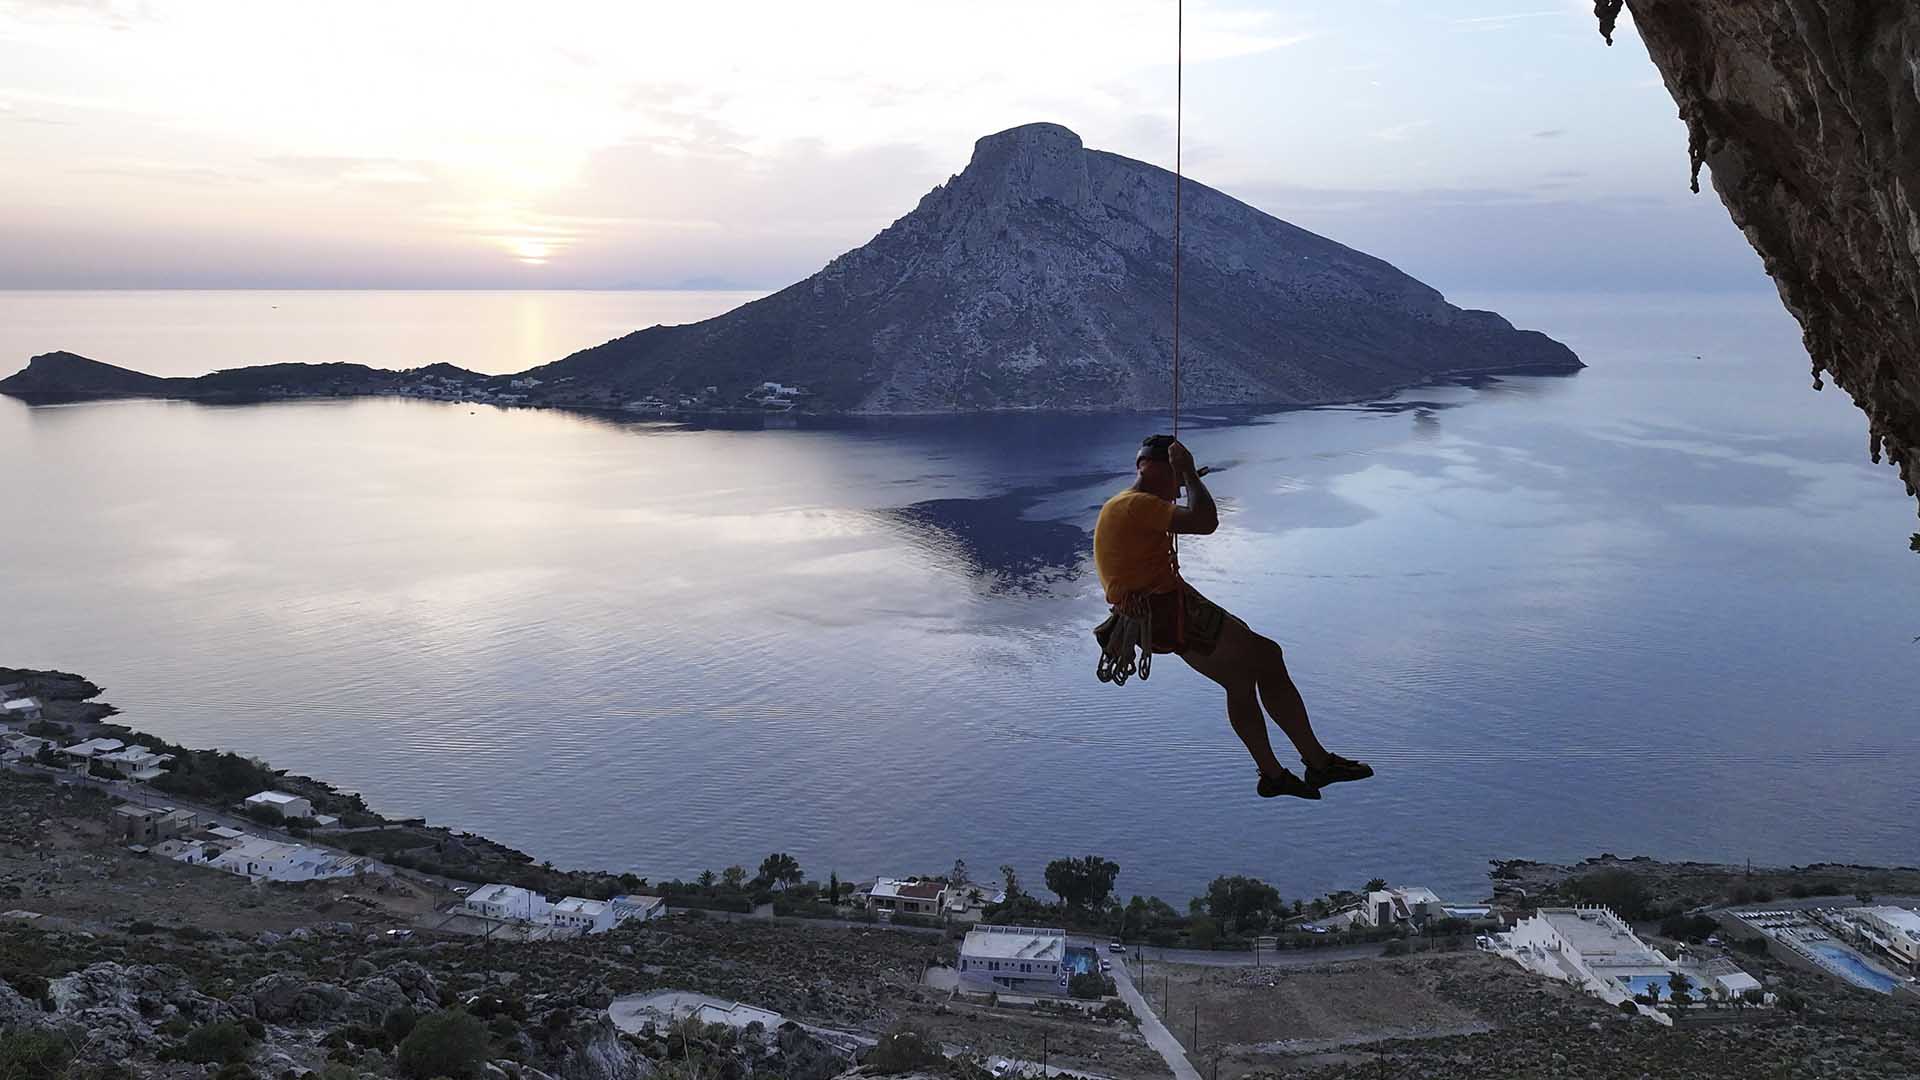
1286, 784
1337, 770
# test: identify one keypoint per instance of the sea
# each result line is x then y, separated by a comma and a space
1664, 606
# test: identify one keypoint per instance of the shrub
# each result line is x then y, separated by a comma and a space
904, 1049
33, 1055
1396, 948
1628, 1007
29, 985
449, 1043
1621, 890
1694, 928
223, 1042
1087, 986
398, 1023
234, 1070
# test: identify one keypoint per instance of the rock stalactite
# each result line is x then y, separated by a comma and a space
1807, 112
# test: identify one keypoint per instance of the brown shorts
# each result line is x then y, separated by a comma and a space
1186, 622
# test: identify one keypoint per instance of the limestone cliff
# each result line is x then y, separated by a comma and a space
1806, 112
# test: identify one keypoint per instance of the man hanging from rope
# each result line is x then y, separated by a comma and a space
1133, 552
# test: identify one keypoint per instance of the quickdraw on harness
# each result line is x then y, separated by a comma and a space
1128, 630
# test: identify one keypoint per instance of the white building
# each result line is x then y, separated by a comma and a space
25, 708
22, 746
578, 913
1402, 905
508, 902
259, 858
623, 908
1895, 928
1732, 983
288, 806
136, 762
1594, 948
92, 748
270, 860
1022, 959
908, 897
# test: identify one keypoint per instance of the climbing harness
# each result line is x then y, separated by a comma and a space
1129, 629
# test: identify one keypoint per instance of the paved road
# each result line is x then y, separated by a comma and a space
1294, 958
1155, 1032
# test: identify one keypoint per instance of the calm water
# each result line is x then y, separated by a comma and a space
1660, 607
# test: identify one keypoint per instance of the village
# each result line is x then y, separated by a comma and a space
1210, 991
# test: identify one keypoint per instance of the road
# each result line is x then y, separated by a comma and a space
1152, 1029
1281, 958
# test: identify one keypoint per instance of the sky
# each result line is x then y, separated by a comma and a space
744, 143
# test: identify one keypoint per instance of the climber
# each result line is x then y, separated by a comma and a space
1134, 555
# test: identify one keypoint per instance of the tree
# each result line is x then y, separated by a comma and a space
733, 876
1243, 903
1376, 885
1083, 883
959, 874
706, 879
1680, 988
1012, 880
833, 887
450, 1043
780, 868
1203, 932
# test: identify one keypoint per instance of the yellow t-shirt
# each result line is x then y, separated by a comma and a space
1133, 546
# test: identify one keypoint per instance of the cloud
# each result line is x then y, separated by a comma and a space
1399, 132
1550, 133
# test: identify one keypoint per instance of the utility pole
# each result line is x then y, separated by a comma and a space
1043, 1055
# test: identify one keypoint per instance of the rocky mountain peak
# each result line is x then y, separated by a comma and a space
1026, 164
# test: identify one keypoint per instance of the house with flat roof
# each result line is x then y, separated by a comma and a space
1401, 905
149, 825
21, 708
1895, 929
288, 806
1726, 975
910, 896
507, 902
577, 913
16, 746
1020, 959
623, 908
135, 762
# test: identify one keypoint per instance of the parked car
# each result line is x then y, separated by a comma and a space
460, 890
1106, 965
1116, 946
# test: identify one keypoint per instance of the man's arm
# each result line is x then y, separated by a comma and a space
1200, 516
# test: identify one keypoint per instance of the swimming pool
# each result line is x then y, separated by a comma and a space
1852, 967
1081, 960
1640, 984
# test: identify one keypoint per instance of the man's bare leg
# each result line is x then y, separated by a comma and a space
1235, 675
1243, 711
1283, 703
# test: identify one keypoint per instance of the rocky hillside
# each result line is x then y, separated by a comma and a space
65, 376
1041, 277
1807, 111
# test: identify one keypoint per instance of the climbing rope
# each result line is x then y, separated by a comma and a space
1179, 114
1126, 638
